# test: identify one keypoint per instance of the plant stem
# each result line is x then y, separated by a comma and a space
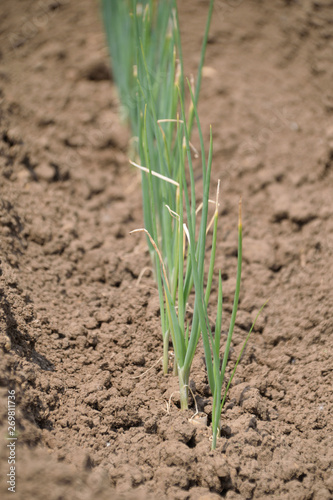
183, 376
166, 351
216, 413
175, 368
214, 438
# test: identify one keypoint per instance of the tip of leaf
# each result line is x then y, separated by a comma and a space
240, 213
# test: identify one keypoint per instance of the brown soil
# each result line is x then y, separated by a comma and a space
79, 330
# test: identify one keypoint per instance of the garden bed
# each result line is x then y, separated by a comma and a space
80, 329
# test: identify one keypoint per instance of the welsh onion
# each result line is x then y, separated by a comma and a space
188, 251
147, 63
215, 366
144, 44
191, 266
212, 343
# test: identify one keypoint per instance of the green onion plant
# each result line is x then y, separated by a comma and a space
147, 63
216, 367
144, 42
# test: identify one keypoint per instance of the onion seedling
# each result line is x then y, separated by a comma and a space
188, 251
144, 42
147, 63
215, 366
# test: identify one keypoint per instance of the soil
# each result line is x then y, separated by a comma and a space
80, 330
